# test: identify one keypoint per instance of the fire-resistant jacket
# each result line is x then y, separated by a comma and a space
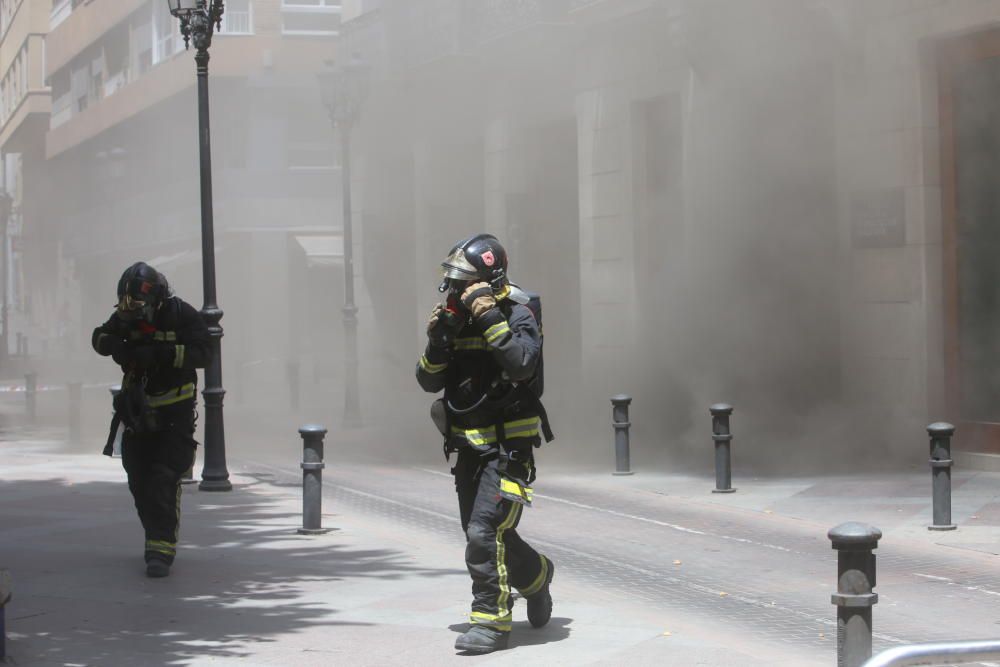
177, 324
494, 355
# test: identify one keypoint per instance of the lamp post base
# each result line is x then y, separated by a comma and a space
313, 531
949, 526
215, 485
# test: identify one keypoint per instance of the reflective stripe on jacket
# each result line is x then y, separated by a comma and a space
486, 435
183, 393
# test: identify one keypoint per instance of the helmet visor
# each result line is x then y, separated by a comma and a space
457, 267
130, 308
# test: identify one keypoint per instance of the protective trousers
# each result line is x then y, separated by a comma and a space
155, 463
496, 556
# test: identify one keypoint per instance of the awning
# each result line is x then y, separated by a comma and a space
322, 250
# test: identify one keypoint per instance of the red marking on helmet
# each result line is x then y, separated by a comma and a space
488, 258
145, 287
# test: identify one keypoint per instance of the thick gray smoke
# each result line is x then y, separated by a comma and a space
667, 180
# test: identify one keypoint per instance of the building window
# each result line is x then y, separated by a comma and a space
238, 18
166, 33
7, 10
80, 83
141, 47
61, 9
62, 99
310, 17
116, 60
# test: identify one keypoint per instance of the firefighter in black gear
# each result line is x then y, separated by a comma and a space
158, 340
484, 350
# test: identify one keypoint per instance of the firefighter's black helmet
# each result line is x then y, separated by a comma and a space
141, 291
480, 258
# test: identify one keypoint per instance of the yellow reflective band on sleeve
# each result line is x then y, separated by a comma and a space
428, 367
165, 336
513, 488
178, 356
496, 331
476, 343
519, 428
182, 393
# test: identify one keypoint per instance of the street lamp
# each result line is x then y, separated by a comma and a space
344, 88
6, 210
199, 21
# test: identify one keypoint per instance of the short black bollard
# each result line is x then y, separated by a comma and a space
30, 391
116, 450
75, 398
722, 436
293, 384
941, 463
619, 419
854, 598
312, 479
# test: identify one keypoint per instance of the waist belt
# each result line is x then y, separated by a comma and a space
182, 393
486, 435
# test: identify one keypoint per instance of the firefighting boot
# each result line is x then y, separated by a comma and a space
157, 567
482, 639
540, 604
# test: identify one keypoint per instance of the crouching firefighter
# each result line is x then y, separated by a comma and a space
484, 350
158, 340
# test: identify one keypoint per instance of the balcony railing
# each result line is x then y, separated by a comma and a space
491, 19
420, 32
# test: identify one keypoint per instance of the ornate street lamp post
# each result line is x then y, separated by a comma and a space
344, 88
199, 21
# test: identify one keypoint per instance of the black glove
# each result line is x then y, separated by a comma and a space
442, 326
121, 352
146, 356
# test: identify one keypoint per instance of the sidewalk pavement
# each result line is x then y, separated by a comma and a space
373, 591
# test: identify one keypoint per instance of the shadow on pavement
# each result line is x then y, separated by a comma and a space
242, 576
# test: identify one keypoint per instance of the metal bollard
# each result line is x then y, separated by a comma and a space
941, 463
722, 436
30, 391
75, 398
312, 479
116, 451
854, 598
619, 419
293, 384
